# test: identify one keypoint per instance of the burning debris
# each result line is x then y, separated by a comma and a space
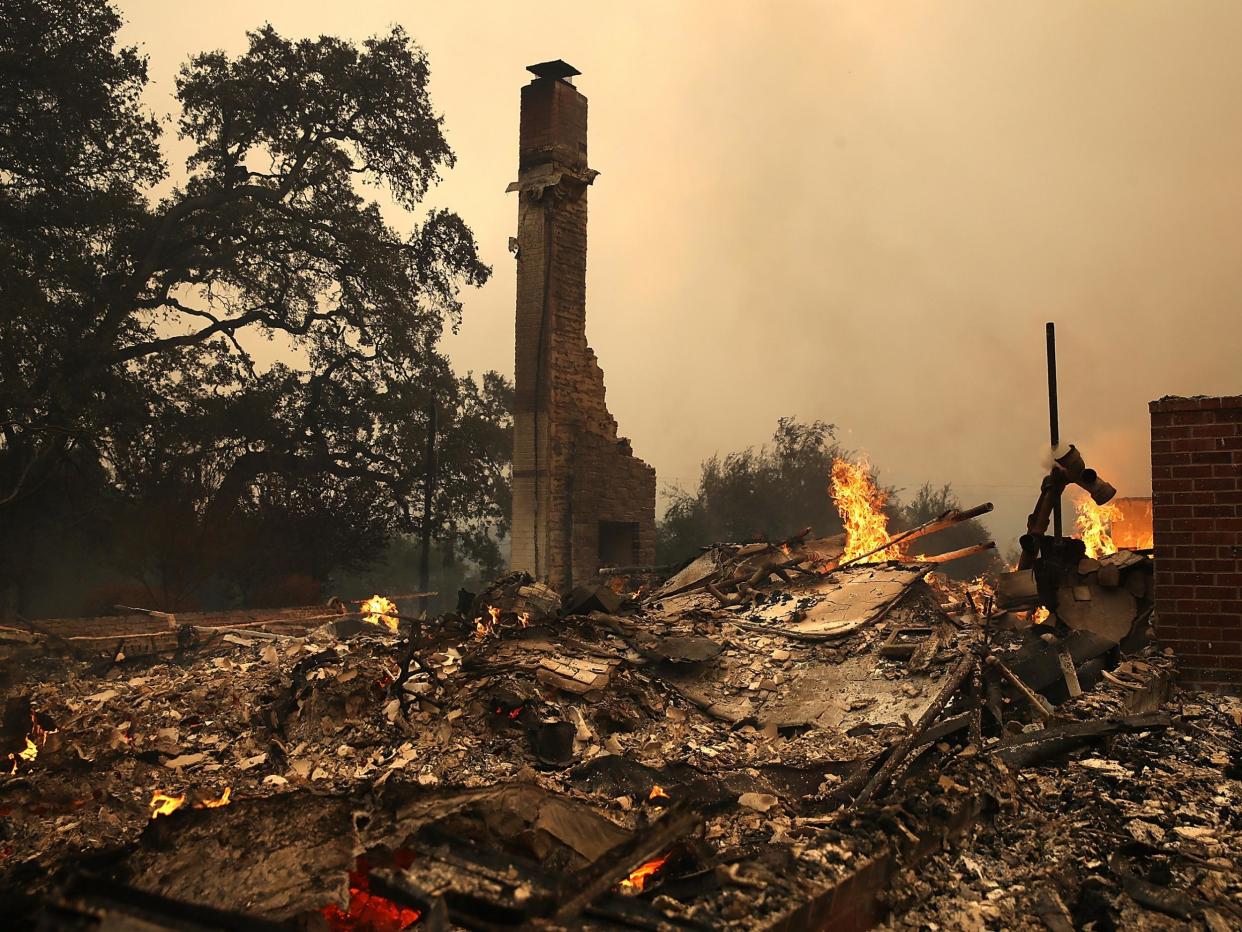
861, 506
764, 739
378, 610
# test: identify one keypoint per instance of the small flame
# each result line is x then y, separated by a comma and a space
380, 611
861, 506
637, 881
657, 792
164, 804
1040, 616
1095, 526
484, 627
524, 619
31, 752
217, 803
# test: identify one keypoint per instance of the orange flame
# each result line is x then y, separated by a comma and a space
164, 804
1095, 526
524, 619
657, 792
861, 506
217, 803
31, 750
485, 626
637, 881
380, 611
1040, 616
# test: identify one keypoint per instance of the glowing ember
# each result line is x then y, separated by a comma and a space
164, 804
380, 611
861, 506
1095, 526
637, 881
368, 912
217, 803
657, 792
1040, 616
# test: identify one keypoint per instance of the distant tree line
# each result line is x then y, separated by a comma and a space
773, 491
143, 449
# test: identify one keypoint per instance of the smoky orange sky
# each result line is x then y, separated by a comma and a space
862, 212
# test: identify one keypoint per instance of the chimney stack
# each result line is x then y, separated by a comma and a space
581, 500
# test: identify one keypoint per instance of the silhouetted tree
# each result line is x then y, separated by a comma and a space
124, 352
769, 492
931, 502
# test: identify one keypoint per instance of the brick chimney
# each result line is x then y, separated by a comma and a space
581, 500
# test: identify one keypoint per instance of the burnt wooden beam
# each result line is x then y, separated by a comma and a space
619, 862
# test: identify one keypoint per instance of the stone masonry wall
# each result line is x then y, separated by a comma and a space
571, 469
1196, 458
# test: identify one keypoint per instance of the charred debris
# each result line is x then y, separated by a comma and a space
808, 733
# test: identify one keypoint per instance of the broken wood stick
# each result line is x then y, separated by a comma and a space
946, 520
952, 683
956, 554
1039, 705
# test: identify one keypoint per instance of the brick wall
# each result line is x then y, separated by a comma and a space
571, 469
1196, 459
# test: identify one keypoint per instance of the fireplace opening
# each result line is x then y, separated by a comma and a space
618, 543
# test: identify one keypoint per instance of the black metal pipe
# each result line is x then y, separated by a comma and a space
1054, 427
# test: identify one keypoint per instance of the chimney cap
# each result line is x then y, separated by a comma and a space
553, 69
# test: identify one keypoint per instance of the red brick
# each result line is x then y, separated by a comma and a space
1174, 592
1212, 566
1175, 485
1216, 592
1198, 605
1215, 511
1193, 417
1199, 527
1170, 432
1194, 551
1227, 538
1170, 459
1194, 445
1214, 430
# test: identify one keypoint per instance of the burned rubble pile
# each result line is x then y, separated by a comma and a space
1138, 832
797, 734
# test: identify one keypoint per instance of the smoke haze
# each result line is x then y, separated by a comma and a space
852, 211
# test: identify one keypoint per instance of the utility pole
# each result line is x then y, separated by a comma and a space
1054, 427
